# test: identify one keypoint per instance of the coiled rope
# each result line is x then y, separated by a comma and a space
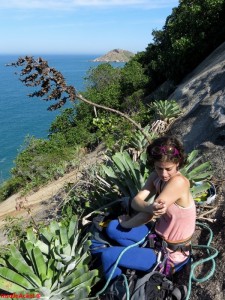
212, 255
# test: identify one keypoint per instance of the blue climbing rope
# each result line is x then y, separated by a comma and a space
212, 255
115, 266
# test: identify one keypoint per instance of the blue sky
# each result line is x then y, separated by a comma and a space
29, 27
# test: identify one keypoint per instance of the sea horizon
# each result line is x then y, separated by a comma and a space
22, 116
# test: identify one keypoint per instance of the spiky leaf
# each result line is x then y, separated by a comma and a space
24, 270
16, 278
40, 263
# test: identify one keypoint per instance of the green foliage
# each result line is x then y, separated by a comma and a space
63, 122
39, 162
133, 78
125, 175
106, 130
10, 187
43, 160
201, 172
75, 126
196, 173
105, 125
191, 32
112, 130
102, 77
14, 229
113, 87
78, 200
165, 110
139, 142
55, 265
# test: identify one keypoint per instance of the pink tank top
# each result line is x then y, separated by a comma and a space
177, 224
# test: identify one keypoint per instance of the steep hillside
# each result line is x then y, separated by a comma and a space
43, 204
116, 55
201, 95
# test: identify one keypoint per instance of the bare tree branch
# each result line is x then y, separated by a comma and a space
53, 86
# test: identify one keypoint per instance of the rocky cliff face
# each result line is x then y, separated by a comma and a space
202, 126
201, 95
116, 55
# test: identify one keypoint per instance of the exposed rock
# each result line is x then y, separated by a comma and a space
116, 55
201, 95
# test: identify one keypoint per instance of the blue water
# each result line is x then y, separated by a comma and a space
20, 115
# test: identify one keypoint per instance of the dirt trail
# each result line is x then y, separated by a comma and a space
38, 203
33, 201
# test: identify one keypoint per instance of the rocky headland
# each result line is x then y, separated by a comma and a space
116, 55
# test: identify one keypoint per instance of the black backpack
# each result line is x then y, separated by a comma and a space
152, 286
117, 290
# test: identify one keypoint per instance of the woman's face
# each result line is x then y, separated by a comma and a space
166, 170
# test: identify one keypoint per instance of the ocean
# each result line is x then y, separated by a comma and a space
21, 116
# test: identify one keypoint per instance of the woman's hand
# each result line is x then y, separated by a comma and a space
137, 220
123, 218
159, 207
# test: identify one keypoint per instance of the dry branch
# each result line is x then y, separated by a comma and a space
207, 212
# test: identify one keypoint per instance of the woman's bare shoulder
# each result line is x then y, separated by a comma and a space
179, 180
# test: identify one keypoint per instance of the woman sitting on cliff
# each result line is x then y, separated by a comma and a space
173, 206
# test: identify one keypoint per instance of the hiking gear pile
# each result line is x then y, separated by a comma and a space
135, 285
151, 286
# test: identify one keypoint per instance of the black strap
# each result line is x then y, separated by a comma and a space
183, 247
157, 242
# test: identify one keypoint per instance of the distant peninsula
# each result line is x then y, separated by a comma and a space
116, 55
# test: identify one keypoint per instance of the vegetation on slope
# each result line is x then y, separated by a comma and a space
190, 33
55, 260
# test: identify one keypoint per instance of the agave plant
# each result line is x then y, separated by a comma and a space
166, 110
139, 142
53, 265
202, 172
126, 175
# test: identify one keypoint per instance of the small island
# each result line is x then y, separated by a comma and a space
116, 55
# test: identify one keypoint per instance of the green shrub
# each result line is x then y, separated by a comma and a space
40, 162
125, 175
165, 110
54, 264
196, 172
10, 187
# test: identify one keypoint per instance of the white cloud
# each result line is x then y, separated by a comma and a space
72, 4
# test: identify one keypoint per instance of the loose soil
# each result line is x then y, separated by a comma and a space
42, 205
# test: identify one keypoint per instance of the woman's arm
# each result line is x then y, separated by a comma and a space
176, 190
157, 208
138, 203
172, 193
137, 220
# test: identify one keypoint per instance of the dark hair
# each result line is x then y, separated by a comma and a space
166, 149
